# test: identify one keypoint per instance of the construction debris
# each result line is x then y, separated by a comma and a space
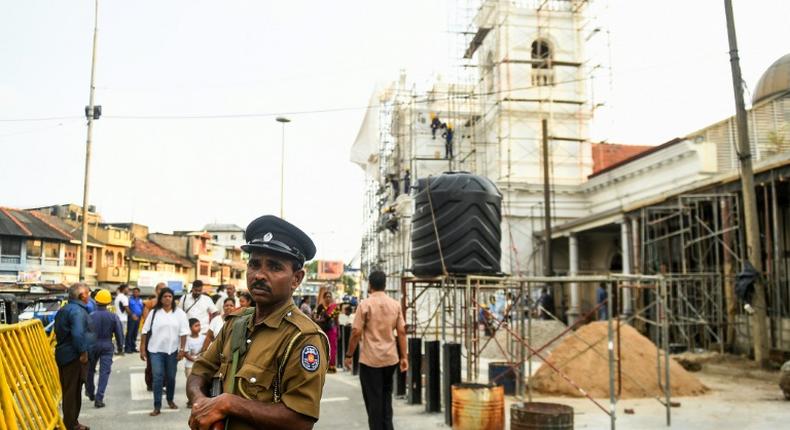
693, 361
584, 358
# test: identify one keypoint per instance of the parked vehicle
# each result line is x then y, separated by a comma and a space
43, 309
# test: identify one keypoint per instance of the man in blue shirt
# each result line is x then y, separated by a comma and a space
75, 338
600, 297
106, 324
135, 312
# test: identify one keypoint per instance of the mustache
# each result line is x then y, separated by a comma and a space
261, 285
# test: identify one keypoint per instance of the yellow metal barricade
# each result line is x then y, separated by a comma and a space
29, 383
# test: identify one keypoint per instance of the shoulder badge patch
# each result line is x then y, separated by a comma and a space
310, 358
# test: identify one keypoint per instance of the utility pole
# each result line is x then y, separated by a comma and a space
282, 120
759, 333
548, 268
90, 114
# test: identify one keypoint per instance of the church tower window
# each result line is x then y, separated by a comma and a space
542, 69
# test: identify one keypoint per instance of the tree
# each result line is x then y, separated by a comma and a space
350, 284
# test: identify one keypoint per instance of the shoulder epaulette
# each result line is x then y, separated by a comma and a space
302, 322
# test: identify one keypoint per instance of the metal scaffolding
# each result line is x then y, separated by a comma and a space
447, 308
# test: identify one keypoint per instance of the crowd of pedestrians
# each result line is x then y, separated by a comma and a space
169, 330
93, 327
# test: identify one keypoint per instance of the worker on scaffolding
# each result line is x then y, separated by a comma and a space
448, 141
436, 124
395, 185
546, 304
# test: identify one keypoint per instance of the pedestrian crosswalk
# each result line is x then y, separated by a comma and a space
137, 386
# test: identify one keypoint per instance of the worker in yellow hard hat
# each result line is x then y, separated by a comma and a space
105, 324
435, 124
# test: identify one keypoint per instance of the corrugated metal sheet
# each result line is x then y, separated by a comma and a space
769, 133
8, 227
35, 227
38, 228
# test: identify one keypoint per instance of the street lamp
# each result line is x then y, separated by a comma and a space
92, 112
283, 120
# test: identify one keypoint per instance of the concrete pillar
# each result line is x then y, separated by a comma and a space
573, 252
625, 245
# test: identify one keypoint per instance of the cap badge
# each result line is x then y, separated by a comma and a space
268, 237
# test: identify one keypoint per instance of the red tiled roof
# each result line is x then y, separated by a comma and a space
149, 251
608, 154
645, 150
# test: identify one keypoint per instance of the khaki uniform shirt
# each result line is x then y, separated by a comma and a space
269, 342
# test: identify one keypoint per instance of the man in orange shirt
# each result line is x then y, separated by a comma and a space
378, 318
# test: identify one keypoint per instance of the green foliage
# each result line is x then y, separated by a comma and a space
350, 284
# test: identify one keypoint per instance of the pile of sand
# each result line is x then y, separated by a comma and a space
588, 366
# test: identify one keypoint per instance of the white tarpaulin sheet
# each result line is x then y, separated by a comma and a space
365, 150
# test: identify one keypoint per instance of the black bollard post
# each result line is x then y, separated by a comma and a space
433, 396
414, 377
451, 371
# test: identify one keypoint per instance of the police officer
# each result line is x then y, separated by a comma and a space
105, 324
270, 360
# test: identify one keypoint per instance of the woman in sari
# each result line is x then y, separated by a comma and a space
325, 315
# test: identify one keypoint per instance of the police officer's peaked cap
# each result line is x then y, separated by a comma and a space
273, 234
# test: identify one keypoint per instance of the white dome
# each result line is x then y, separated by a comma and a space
775, 80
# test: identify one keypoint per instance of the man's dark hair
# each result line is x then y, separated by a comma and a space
197, 283
135, 289
121, 288
221, 288
377, 280
192, 322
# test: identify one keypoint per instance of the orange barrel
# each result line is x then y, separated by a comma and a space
541, 416
478, 407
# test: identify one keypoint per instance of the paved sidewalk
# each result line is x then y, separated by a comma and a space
735, 402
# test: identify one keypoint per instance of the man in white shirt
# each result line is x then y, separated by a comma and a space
199, 306
122, 305
227, 291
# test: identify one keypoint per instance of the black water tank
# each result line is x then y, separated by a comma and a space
468, 212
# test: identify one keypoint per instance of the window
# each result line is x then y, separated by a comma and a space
214, 237
51, 249
91, 252
119, 262
542, 72
204, 270
70, 256
117, 234
232, 237
9, 246
109, 258
34, 249
10, 250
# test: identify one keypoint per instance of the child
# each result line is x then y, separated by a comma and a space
193, 347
